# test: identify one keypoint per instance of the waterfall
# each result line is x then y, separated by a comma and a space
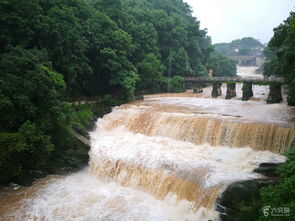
214, 130
164, 158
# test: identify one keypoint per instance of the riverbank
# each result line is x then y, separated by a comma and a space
71, 142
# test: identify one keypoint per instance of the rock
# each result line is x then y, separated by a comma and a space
239, 194
269, 164
267, 169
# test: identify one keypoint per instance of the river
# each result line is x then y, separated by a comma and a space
167, 157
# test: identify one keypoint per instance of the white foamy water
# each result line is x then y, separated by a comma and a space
82, 197
226, 164
245, 110
248, 71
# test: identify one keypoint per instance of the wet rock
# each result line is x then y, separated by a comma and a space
267, 169
275, 94
239, 194
269, 164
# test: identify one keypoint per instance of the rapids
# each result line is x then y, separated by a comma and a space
164, 158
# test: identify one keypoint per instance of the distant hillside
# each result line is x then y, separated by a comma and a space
244, 46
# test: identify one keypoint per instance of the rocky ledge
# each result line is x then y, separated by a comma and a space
239, 194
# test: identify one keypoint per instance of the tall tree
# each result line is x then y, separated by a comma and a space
281, 55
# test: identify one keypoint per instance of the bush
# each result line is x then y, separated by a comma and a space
27, 149
173, 85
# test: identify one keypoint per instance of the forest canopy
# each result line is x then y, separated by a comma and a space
53, 51
101, 47
240, 47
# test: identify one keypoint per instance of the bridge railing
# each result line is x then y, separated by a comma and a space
235, 79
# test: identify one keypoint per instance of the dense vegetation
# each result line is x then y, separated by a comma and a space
244, 46
221, 65
280, 55
54, 51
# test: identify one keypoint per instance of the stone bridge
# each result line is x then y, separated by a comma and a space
275, 83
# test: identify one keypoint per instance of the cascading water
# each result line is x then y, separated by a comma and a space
164, 158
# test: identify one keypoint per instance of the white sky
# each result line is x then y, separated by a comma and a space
227, 20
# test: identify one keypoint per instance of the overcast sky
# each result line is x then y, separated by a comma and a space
227, 20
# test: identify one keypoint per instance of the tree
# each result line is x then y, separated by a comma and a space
150, 71
30, 108
281, 55
222, 66
52, 51
245, 46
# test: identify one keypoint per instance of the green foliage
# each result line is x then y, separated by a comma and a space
96, 45
247, 42
245, 46
222, 66
168, 30
245, 51
27, 149
82, 116
30, 108
150, 71
280, 55
12, 145
51, 51
283, 193
29, 91
68, 152
175, 84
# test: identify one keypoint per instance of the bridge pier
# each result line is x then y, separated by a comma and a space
247, 91
198, 88
275, 93
216, 91
230, 90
